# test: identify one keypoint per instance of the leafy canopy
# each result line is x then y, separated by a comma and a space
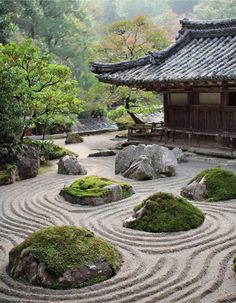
34, 86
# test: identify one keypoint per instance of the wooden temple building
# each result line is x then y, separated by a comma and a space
197, 77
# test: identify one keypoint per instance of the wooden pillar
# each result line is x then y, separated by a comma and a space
166, 98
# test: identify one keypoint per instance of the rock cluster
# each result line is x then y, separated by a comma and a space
144, 162
69, 165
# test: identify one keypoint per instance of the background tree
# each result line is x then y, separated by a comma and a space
128, 40
215, 9
35, 87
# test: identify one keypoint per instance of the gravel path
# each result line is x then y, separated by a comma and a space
193, 266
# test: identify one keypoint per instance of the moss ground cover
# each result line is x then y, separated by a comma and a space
164, 212
93, 186
220, 183
68, 247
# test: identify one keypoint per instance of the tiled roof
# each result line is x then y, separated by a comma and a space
203, 51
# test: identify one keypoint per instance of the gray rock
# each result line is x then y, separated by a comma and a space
144, 162
27, 269
86, 272
69, 165
73, 138
104, 153
195, 191
140, 170
179, 154
28, 162
115, 192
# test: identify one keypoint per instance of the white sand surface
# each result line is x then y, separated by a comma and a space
184, 267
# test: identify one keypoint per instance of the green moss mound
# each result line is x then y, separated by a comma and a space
163, 212
93, 186
63, 248
220, 184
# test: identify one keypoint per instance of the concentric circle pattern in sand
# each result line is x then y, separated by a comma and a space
192, 266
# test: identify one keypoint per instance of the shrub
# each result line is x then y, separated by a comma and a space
163, 212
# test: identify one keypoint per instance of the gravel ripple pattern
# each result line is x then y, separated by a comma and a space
193, 266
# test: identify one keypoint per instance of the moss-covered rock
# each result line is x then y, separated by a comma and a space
163, 212
63, 257
220, 184
94, 190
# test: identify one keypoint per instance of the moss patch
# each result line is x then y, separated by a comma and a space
93, 186
220, 183
67, 247
164, 212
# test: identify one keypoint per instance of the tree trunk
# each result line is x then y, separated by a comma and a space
132, 115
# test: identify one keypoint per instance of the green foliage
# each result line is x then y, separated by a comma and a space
220, 183
34, 86
234, 264
63, 248
167, 213
93, 186
49, 150
5, 172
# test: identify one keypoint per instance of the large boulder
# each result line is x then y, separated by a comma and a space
69, 165
63, 257
28, 162
144, 162
73, 138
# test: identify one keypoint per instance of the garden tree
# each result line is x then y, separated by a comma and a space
33, 87
183, 6
128, 40
215, 9
6, 9
62, 27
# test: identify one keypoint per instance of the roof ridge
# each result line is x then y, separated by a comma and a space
189, 31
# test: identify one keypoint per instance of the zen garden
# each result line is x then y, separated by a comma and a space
118, 151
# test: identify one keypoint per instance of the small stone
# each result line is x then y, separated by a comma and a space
104, 153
